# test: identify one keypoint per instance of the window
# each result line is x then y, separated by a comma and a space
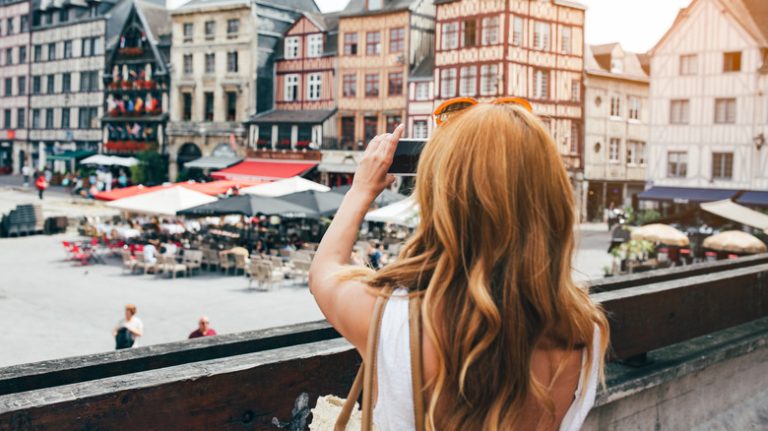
565, 40
49, 118
677, 164
635, 153
722, 166
65, 115
89, 81
392, 122
725, 111
614, 149
208, 97
347, 130
468, 85
541, 84
51, 51
7, 119
395, 84
210, 30
689, 64
187, 64
67, 49
489, 79
22, 85
575, 90
617, 65
372, 85
517, 31
91, 46
396, 40
292, 47
9, 27
731, 61
374, 4
291, 90
634, 108
8, 56
616, 106
232, 62
188, 31
22, 54
315, 45
21, 118
36, 85
350, 44
66, 82
470, 32
48, 17
450, 35
35, 118
63, 15
24, 24
93, 11
420, 129
8, 86
37, 53
233, 27
86, 117
575, 137
679, 112
210, 62
422, 91
350, 85
50, 84
314, 87
186, 106
447, 83
541, 35
490, 30
373, 43
231, 105
370, 128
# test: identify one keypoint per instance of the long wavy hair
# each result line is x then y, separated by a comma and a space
492, 257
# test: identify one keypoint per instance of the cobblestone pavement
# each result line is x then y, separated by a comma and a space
51, 308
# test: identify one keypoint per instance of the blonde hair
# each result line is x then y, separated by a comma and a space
492, 257
131, 308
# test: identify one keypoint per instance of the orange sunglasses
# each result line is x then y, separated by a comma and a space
458, 104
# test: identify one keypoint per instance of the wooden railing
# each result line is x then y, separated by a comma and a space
258, 379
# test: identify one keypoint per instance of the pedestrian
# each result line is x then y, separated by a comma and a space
26, 171
203, 329
375, 256
41, 185
509, 340
128, 329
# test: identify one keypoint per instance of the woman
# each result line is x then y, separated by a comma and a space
510, 342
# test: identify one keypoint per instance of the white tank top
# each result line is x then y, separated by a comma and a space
394, 405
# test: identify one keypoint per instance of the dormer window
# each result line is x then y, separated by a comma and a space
292, 47
617, 65
374, 4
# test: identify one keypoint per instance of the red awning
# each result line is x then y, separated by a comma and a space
221, 186
256, 169
126, 192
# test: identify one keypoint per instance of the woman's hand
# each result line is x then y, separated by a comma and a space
371, 175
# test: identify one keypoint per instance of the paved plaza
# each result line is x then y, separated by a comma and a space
52, 308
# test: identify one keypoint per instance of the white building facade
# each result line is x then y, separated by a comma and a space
709, 109
616, 128
14, 69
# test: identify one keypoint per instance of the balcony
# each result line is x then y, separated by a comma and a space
689, 350
127, 146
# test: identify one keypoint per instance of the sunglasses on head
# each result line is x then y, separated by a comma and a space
453, 106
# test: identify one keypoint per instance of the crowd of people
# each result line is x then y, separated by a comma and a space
130, 328
81, 183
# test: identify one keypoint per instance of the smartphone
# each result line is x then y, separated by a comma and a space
407, 156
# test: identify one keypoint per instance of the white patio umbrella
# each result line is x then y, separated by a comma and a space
735, 241
166, 201
101, 159
403, 213
661, 233
284, 187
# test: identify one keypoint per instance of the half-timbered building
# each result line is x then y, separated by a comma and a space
522, 48
709, 109
421, 96
380, 42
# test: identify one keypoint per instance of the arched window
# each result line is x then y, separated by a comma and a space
187, 153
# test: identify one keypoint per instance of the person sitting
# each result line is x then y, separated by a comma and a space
510, 341
150, 251
203, 329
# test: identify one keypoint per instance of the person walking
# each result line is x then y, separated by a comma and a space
41, 184
26, 171
509, 340
128, 329
203, 329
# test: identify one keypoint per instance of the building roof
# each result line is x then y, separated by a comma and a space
205, 4
569, 3
357, 7
425, 69
325, 22
312, 116
598, 61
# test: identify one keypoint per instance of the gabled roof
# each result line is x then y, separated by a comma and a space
120, 18
357, 7
752, 15
597, 61
569, 3
325, 22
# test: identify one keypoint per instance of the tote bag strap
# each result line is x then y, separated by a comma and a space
417, 368
364, 379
